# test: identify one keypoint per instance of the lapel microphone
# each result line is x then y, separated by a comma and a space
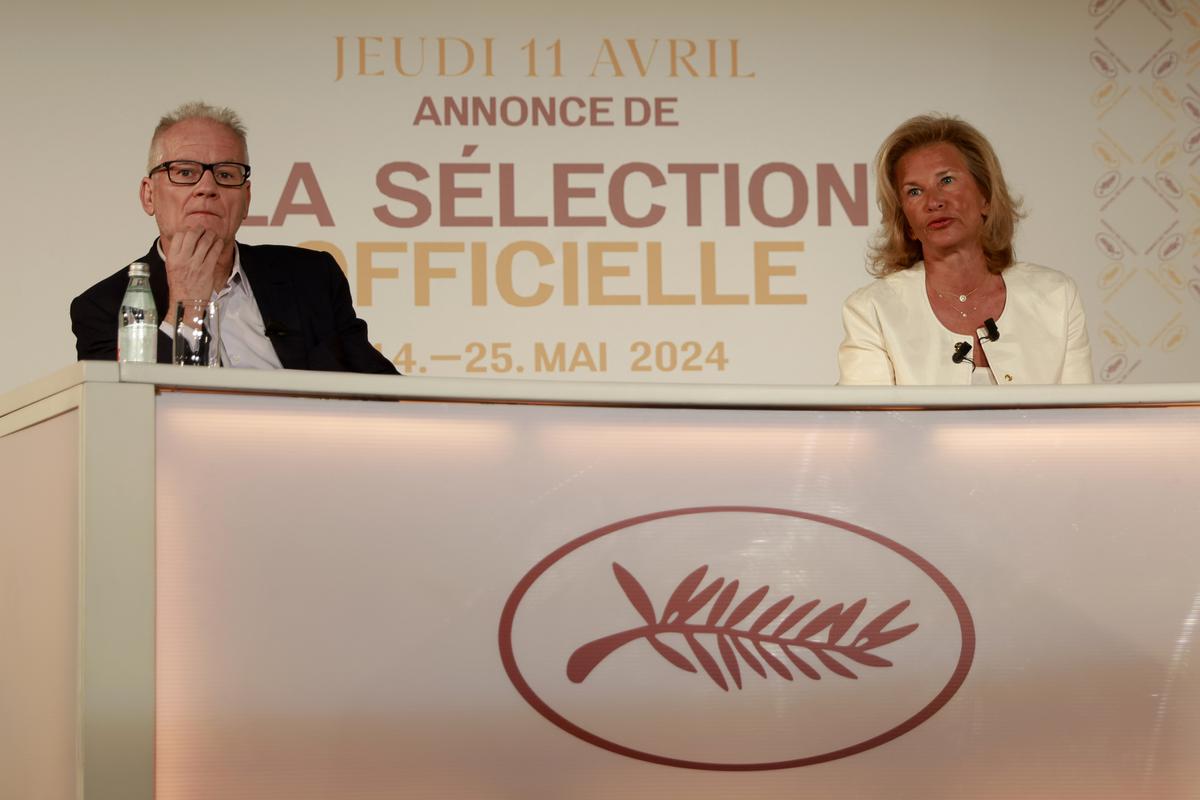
960, 352
993, 333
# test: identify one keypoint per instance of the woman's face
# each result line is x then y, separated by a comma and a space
941, 201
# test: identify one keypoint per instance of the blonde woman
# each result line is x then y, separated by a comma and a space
949, 304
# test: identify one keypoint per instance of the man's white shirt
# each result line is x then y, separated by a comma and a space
244, 342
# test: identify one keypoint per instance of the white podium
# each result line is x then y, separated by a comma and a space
216, 583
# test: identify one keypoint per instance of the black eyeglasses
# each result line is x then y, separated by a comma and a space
189, 173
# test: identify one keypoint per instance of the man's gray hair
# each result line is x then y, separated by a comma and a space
197, 109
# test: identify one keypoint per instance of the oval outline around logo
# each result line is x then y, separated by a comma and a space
1192, 143
1174, 338
1103, 65
1167, 183
1109, 246
1114, 365
1107, 183
1191, 106
1170, 247
957, 677
1165, 64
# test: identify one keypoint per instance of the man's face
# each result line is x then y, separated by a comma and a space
205, 205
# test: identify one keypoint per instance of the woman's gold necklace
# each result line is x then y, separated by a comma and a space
962, 298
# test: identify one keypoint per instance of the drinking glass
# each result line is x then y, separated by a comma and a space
197, 334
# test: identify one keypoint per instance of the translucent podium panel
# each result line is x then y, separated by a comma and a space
39, 569
367, 599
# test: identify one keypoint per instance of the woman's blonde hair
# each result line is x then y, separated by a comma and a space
893, 248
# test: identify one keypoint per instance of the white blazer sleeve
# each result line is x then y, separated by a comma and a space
1077, 366
862, 358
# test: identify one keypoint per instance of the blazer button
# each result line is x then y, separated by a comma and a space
1007, 378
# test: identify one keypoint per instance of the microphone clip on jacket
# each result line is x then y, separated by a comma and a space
993, 333
960, 353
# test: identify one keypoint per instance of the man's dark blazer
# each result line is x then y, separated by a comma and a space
302, 294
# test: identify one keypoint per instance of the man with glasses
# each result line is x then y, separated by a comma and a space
280, 307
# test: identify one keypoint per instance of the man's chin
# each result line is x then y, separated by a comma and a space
218, 230
209, 222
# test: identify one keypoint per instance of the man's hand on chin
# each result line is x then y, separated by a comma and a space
194, 259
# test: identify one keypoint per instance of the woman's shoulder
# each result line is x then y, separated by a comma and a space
891, 286
1037, 277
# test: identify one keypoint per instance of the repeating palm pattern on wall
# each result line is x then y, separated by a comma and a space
1147, 192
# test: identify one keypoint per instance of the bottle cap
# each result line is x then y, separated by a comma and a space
139, 268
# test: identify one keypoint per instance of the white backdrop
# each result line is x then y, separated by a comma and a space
1090, 106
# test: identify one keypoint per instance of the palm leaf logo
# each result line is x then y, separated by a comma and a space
821, 641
